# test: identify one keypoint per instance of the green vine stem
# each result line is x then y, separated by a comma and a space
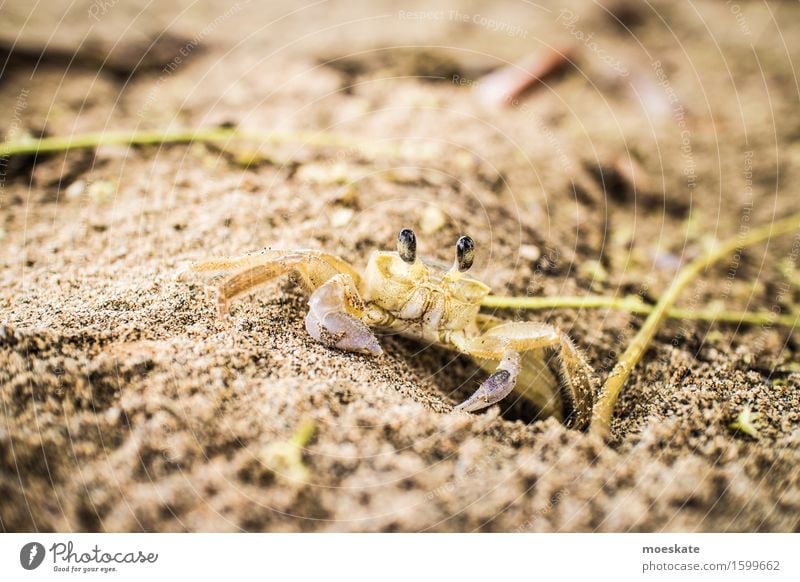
210, 135
633, 304
604, 407
92, 140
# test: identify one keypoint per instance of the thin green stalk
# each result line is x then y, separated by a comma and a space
93, 140
304, 433
633, 305
604, 407
157, 137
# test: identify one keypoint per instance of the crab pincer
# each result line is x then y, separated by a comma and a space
333, 319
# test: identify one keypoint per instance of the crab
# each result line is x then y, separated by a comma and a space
400, 292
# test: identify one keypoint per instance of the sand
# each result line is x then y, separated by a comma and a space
127, 405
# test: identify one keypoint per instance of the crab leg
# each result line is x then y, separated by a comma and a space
249, 279
336, 308
505, 342
256, 269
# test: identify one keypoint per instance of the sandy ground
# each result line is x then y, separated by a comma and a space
128, 406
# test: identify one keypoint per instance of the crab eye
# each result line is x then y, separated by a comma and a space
407, 245
465, 253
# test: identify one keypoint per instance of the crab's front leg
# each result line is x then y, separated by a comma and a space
255, 269
335, 317
336, 309
505, 343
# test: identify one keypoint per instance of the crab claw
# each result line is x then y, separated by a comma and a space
343, 331
493, 390
495, 387
329, 322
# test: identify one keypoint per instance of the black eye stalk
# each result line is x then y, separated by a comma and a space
407, 245
465, 253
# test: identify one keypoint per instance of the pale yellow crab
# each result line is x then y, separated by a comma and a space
401, 293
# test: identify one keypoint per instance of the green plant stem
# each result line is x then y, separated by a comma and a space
604, 407
634, 305
93, 140
158, 137
304, 433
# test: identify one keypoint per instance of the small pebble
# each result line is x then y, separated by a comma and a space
529, 253
75, 189
341, 216
102, 191
432, 220
465, 160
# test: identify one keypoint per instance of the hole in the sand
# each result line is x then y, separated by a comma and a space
456, 376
